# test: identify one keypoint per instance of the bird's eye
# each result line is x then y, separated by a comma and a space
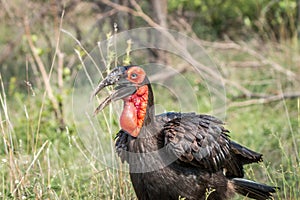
133, 75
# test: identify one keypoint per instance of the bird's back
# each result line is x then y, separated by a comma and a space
184, 155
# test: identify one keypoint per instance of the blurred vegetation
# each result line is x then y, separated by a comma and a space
254, 43
276, 20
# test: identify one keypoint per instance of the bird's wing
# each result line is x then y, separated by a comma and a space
201, 140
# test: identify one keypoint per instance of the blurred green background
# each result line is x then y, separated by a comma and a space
254, 43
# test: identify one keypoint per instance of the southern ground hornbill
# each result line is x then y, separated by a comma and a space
174, 155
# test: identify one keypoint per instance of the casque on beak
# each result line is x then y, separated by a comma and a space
123, 89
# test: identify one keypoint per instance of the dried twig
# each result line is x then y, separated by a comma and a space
245, 64
266, 61
42, 69
241, 47
138, 12
41, 66
265, 99
168, 74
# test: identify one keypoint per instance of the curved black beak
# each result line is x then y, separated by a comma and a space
124, 88
110, 79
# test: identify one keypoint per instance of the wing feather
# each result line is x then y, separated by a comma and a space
197, 140
200, 140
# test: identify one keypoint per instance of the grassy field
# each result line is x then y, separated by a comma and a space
40, 159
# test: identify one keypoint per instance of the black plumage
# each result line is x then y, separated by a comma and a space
182, 154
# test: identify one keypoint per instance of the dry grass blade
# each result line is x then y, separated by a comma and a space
35, 157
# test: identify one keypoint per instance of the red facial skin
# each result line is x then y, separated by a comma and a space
132, 117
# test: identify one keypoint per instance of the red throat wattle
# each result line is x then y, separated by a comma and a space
134, 112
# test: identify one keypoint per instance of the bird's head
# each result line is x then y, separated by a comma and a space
133, 87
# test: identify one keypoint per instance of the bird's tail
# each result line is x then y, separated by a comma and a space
252, 189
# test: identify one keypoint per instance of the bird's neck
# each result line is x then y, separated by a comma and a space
138, 110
